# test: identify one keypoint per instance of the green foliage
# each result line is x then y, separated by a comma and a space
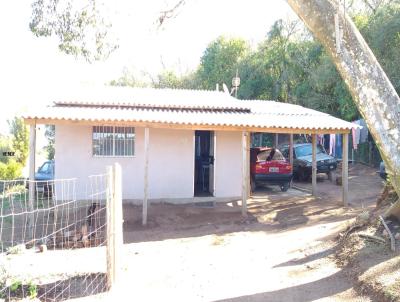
5, 146
11, 170
220, 61
32, 290
290, 66
20, 139
128, 79
78, 25
15, 285
50, 135
382, 33
168, 79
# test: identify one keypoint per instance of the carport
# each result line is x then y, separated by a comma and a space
284, 118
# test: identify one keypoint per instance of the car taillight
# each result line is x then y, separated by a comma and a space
289, 167
258, 166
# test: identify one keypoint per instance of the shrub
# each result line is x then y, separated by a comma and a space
11, 170
5, 146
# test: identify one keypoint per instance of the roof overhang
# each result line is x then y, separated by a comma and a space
31, 121
184, 109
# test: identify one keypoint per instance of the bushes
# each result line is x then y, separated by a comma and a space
11, 170
5, 146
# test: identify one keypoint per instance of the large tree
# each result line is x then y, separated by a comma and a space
371, 89
220, 61
79, 26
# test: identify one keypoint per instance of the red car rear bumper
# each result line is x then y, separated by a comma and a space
272, 178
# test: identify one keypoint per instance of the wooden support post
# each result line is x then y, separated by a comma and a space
114, 226
119, 220
32, 160
345, 170
146, 175
248, 146
314, 165
291, 149
110, 228
245, 173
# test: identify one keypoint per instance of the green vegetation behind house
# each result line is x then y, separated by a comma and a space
289, 65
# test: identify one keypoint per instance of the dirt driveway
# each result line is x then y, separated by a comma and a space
281, 252
364, 183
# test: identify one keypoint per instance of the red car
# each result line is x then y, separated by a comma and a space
269, 166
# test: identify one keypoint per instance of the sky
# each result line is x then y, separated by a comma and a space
32, 68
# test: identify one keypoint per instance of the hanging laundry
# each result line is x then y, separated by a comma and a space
320, 139
326, 142
338, 146
332, 143
355, 132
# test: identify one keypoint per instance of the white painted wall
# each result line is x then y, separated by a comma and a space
228, 170
171, 163
73, 159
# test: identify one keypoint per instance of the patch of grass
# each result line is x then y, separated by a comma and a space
14, 195
32, 290
15, 285
17, 249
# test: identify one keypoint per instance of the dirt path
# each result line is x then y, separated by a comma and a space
364, 183
242, 266
282, 252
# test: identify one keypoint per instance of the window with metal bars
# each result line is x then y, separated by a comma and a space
113, 141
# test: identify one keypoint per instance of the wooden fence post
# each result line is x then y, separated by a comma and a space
110, 214
114, 225
31, 183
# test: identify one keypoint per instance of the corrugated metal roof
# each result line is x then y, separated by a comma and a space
184, 107
150, 97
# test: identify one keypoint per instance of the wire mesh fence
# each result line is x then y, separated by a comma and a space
367, 153
52, 245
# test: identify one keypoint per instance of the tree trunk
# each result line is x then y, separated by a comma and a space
371, 89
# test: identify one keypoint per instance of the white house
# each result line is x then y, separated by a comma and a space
185, 145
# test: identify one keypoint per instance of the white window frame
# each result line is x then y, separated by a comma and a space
113, 142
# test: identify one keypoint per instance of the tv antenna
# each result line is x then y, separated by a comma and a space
235, 83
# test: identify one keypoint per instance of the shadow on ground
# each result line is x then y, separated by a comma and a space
63, 290
310, 291
269, 210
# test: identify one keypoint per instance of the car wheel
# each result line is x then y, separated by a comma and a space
285, 187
